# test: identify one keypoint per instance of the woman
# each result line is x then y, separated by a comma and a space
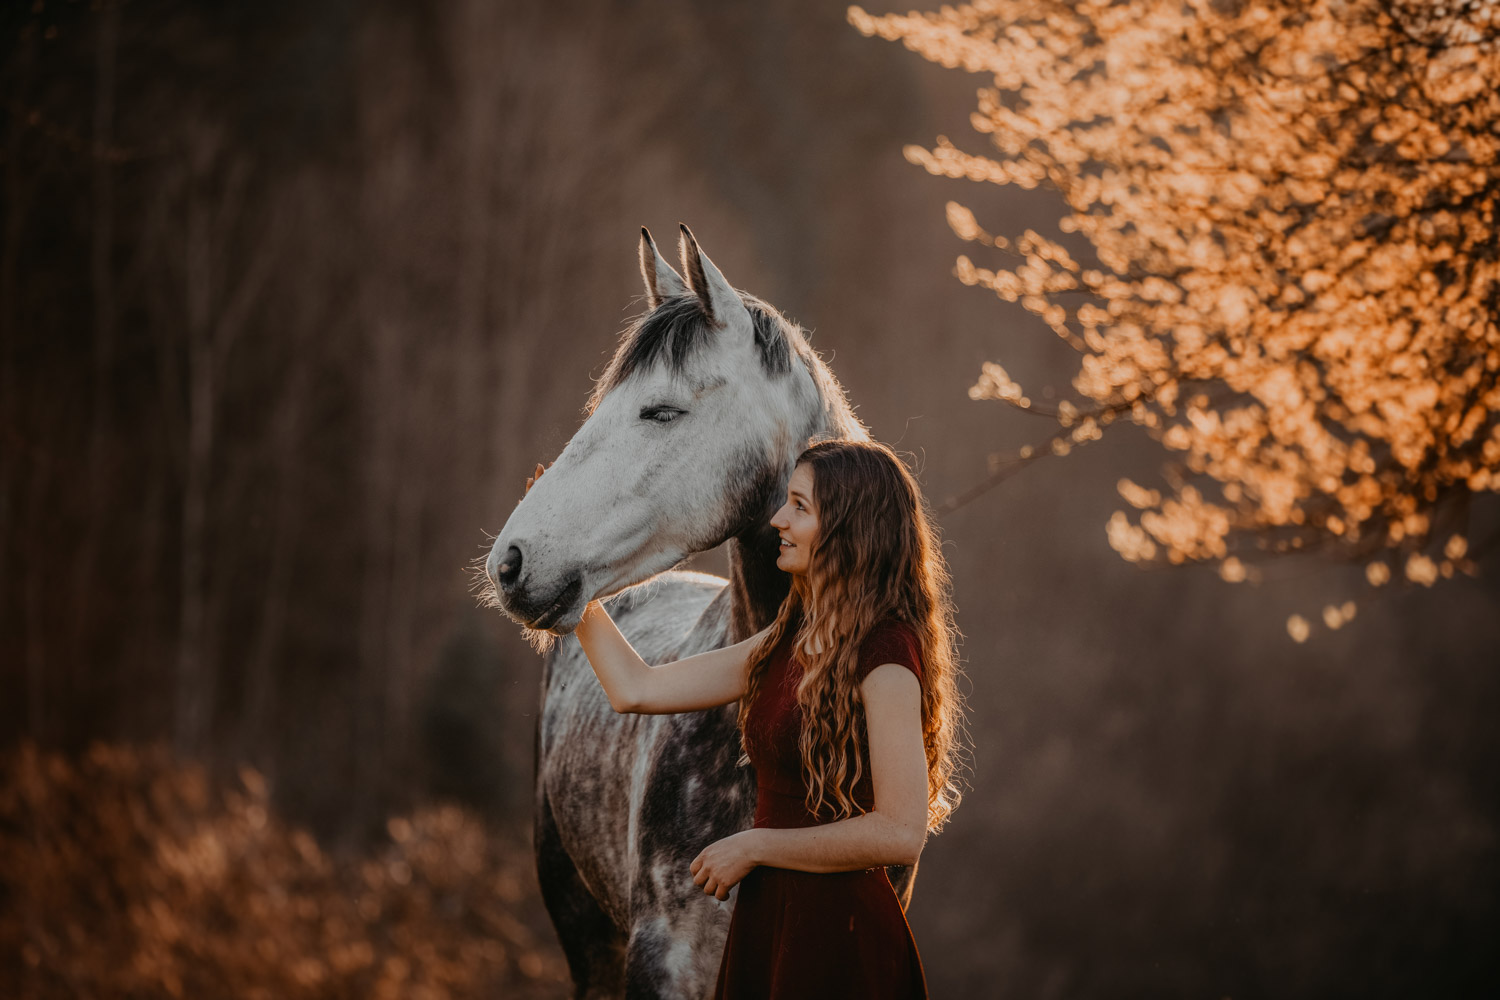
849, 712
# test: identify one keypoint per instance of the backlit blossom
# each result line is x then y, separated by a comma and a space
1279, 256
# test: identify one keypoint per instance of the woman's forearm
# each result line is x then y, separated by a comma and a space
864, 841
621, 671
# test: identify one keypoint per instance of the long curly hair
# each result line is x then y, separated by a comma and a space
876, 557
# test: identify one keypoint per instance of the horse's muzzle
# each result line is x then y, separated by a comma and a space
534, 608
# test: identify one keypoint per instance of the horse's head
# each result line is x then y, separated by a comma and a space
689, 439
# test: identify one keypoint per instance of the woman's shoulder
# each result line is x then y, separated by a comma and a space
890, 641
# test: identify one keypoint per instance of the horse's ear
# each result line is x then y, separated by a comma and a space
661, 281
722, 303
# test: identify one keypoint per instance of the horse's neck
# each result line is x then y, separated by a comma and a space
756, 586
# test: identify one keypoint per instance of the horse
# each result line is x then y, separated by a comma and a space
688, 442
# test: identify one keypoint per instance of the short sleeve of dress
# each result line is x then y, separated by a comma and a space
889, 642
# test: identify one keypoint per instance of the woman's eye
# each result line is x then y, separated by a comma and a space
661, 414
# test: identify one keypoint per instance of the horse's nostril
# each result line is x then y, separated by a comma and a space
509, 570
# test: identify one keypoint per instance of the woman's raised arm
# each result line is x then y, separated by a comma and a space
691, 684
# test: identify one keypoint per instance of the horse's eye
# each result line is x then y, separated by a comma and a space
661, 414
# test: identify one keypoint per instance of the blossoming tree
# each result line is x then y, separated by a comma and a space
1296, 271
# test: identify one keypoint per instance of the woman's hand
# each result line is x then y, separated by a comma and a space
721, 865
531, 480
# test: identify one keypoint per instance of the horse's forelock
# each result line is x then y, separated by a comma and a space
673, 332
670, 334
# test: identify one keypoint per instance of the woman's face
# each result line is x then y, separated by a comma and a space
797, 523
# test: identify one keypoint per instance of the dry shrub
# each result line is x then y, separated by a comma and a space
124, 873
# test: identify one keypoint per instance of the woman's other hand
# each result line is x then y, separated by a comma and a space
721, 865
531, 480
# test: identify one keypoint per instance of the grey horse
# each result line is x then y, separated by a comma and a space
689, 441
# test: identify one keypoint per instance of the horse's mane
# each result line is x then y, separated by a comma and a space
672, 332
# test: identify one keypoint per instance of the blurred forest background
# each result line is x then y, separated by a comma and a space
292, 295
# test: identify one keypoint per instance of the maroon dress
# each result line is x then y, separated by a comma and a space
815, 935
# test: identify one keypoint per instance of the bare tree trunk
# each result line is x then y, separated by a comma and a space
447, 389
404, 589
194, 685
148, 660
395, 204
41, 632
385, 400
12, 446
472, 365
36, 659
261, 666
101, 269
216, 315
